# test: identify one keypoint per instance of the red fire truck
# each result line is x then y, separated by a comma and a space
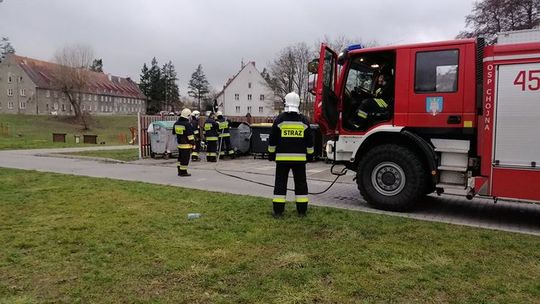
461, 117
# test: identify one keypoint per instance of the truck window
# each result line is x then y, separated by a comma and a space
436, 72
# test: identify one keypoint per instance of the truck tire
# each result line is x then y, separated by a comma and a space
391, 177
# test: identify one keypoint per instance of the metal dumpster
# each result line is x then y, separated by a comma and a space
162, 140
240, 136
260, 134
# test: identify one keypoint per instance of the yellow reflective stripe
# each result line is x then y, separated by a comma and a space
310, 150
207, 126
271, 149
225, 135
183, 167
222, 153
196, 132
381, 103
361, 114
231, 151
191, 137
292, 124
279, 199
302, 199
211, 138
378, 92
291, 157
211, 154
195, 153
223, 125
184, 146
179, 129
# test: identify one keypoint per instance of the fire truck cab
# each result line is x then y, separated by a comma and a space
455, 117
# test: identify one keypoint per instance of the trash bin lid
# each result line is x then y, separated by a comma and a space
167, 124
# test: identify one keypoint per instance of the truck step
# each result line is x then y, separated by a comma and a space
452, 150
452, 168
453, 189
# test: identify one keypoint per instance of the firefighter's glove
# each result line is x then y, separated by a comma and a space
271, 156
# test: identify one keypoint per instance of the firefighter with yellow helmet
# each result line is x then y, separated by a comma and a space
290, 146
185, 139
195, 115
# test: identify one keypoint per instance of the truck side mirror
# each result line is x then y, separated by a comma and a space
313, 66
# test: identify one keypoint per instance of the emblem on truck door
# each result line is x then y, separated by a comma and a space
434, 105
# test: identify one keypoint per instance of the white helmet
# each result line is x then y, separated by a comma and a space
185, 113
219, 113
196, 114
292, 102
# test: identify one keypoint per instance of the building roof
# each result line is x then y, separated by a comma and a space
236, 75
42, 74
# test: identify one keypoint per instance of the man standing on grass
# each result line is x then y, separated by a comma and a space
290, 145
185, 139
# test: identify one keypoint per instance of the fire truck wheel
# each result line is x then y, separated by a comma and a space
391, 177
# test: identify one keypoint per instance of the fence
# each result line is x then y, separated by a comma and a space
145, 120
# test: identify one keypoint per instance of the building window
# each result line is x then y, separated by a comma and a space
237, 109
249, 109
63, 107
9, 79
261, 97
55, 94
236, 96
22, 92
261, 109
249, 85
10, 104
20, 79
249, 96
47, 107
95, 97
9, 92
48, 94
22, 105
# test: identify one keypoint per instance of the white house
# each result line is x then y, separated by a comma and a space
247, 92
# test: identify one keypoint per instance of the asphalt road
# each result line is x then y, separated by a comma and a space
482, 213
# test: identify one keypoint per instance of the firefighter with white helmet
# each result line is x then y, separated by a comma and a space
224, 136
185, 139
291, 146
196, 132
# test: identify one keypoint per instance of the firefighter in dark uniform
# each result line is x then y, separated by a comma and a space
211, 136
185, 140
196, 132
224, 137
291, 146
370, 111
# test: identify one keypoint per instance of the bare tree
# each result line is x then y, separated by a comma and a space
71, 75
489, 17
288, 72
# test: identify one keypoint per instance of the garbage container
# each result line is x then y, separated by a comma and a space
317, 140
240, 136
59, 137
260, 134
162, 140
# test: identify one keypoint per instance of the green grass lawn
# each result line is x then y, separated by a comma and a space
32, 131
74, 239
123, 155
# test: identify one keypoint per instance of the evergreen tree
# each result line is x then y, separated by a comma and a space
5, 48
198, 86
155, 88
97, 65
170, 87
144, 83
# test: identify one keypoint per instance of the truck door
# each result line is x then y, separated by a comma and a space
437, 98
326, 101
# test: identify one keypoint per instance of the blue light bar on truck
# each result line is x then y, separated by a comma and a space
354, 47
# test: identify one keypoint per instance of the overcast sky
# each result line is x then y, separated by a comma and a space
216, 33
